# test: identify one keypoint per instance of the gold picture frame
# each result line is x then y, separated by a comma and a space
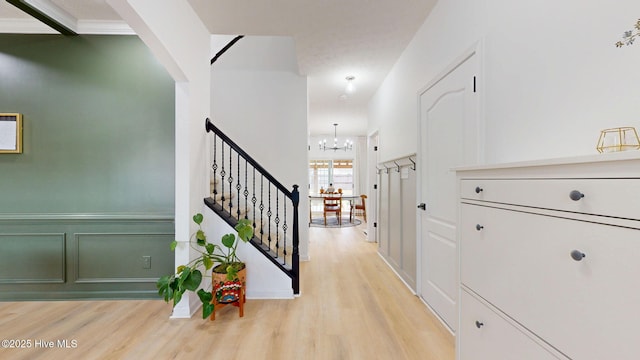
10, 133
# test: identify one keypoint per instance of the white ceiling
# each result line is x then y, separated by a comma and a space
334, 39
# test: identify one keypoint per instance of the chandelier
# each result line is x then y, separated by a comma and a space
348, 144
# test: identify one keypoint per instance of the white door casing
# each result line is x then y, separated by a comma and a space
449, 136
373, 180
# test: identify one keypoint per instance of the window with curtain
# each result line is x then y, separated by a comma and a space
343, 176
324, 172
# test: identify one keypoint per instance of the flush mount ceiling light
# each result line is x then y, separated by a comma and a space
351, 87
348, 144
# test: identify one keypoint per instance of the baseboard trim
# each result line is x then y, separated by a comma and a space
78, 295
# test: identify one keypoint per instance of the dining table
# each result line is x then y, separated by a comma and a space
343, 198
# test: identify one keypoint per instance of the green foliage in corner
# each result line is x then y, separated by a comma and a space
629, 36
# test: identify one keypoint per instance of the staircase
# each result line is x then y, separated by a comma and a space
242, 189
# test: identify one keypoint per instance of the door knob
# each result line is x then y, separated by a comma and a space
479, 324
422, 206
479, 227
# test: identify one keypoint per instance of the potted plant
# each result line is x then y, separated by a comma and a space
218, 259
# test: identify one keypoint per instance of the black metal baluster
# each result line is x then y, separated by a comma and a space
269, 213
238, 187
246, 192
254, 200
222, 175
261, 208
230, 180
214, 166
277, 222
284, 231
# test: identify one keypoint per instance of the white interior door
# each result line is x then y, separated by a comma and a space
449, 137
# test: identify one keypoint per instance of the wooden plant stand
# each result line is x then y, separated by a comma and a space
227, 292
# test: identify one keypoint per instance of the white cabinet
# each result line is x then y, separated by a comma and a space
489, 336
550, 251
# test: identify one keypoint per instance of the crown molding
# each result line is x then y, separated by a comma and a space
24, 26
87, 27
45, 13
104, 27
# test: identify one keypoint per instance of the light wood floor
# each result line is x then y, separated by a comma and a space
352, 307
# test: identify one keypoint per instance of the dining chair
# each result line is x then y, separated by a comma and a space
360, 207
332, 205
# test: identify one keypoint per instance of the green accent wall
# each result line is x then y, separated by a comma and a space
92, 194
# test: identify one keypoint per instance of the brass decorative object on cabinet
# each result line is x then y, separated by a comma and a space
618, 139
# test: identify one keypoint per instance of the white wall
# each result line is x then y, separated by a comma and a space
260, 101
552, 75
264, 279
188, 64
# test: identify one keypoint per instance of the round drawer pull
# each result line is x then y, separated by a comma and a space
478, 189
576, 195
479, 324
577, 255
479, 227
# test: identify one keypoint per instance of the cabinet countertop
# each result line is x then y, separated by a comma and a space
594, 158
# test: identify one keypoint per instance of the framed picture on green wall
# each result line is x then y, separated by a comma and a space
10, 133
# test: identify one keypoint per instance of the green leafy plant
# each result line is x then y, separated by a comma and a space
220, 259
629, 36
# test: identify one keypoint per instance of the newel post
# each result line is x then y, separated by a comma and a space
295, 258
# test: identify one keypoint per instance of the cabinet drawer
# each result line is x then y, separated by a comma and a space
609, 197
522, 264
484, 335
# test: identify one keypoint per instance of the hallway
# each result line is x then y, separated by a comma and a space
352, 306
